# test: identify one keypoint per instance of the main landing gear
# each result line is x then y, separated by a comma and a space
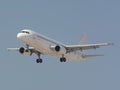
39, 60
63, 59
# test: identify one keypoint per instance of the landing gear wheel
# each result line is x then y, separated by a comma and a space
39, 60
63, 59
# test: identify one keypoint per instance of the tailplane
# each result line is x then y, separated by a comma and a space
89, 56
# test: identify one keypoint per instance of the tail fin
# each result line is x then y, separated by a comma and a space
83, 39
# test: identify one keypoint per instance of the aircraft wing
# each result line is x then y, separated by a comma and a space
71, 48
13, 49
32, 49
17, 49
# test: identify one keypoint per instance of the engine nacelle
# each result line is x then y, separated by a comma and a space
58, 49
25, 52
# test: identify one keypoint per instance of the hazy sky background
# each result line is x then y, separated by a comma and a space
65, 21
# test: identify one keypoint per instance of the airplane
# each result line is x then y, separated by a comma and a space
42, 45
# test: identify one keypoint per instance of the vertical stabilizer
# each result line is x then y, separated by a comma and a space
83, 39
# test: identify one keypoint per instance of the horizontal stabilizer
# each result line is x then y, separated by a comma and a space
89, 56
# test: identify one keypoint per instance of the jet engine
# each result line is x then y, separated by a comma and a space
58, 49
25, 52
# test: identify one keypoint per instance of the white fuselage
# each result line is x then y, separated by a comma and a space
42, 44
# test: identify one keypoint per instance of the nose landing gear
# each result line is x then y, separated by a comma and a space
39, 60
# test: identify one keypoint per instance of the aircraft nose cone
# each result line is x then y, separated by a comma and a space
20, 36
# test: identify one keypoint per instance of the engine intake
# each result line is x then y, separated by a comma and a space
58, 49
21, 50
25, 52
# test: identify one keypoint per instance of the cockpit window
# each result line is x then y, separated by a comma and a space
25, 32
